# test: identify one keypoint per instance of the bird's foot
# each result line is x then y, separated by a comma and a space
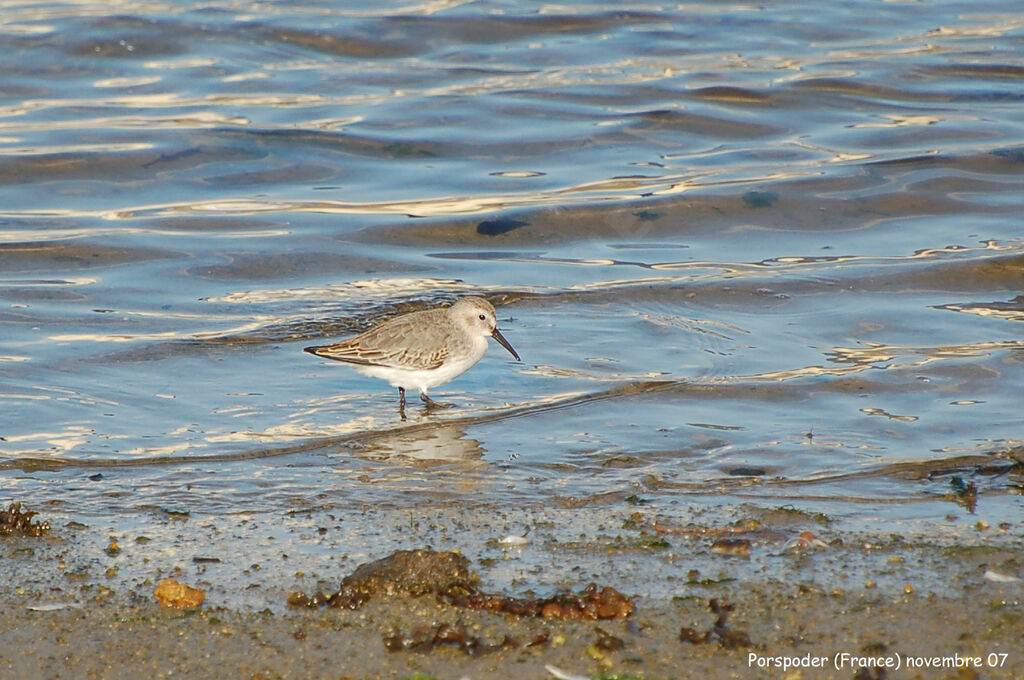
434, 405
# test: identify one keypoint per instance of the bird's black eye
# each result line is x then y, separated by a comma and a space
483, 317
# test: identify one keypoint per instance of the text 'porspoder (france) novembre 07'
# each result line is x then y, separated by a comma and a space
889, 660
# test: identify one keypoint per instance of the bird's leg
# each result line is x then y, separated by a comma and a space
401, 403
431, 404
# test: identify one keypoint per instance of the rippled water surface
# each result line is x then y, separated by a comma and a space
760, 254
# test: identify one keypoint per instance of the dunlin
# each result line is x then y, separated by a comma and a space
422, 349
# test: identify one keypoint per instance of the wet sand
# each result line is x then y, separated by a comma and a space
882, 597
111, 640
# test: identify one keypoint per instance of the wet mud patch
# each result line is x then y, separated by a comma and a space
241, 266
74, 256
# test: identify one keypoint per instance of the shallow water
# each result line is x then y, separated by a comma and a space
766, 255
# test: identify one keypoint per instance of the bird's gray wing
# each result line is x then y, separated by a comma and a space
398, 343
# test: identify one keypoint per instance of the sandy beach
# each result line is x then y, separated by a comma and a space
852, 607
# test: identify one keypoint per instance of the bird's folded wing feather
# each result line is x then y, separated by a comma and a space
392, 345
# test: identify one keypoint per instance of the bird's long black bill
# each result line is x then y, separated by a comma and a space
504, 343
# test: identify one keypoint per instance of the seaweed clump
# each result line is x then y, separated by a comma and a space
727, 637
426, 639
14, 521
590, 603
414, 573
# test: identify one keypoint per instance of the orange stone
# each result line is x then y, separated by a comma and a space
171, 593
